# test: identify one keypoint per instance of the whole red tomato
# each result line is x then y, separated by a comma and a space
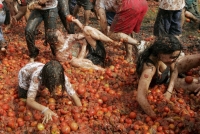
81, 90
65, 129
132, 115
189, 79
69, 18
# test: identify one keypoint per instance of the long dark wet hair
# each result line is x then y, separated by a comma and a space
52, 75
162, 45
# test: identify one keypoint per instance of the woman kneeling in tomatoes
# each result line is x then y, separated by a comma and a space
36, 76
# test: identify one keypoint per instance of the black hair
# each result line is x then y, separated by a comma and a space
52, 75
162, 45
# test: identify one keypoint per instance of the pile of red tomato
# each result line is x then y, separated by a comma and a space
109, 99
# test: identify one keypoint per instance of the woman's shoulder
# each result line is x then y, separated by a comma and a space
31, 67
149, 67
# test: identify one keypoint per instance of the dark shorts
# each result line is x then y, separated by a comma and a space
86, 4
72, 4
97, 56
168, 22
110, 16
22, 93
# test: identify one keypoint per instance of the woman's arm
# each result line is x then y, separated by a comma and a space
78, 23
31, 95
35, 105
71, 92
76, 100
143, 86
173, 77
78, 36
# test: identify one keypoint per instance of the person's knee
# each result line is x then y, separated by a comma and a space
51, 37
76, 63
29, 31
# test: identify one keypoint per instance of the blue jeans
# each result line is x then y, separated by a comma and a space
49, 17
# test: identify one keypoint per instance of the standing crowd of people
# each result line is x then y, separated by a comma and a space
119, 20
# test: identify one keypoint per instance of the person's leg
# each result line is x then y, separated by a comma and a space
34, 20
80, 61
192, 17
183, 15
180, 83
7, 19
50, 20
188, 62
76, 9
82, 52
196, 8
159, 27
21, 13
28, 12
140, 16
3, 43
72, 4
63, 11
167, 18
184, 65
87, 17
175, 28
85, 63
129, 53
10, 5
123, 37
87, 5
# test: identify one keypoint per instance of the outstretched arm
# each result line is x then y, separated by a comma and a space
79, 36
173, 77
78, 23
71, 92
143, 87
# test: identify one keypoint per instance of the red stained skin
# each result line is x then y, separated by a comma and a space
146, 76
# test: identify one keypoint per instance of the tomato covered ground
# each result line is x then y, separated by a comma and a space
109, 99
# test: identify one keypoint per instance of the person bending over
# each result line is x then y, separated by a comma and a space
160, 64
35, 76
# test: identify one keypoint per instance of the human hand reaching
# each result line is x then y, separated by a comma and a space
48, 115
